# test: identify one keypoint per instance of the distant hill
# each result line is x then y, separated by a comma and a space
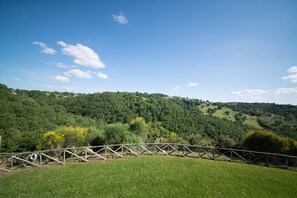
26, 115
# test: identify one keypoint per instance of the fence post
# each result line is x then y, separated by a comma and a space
40, 159
267, 161
13, 160
105, 152
64, 155
250, 157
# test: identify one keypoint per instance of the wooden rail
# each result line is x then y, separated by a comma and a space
12, 161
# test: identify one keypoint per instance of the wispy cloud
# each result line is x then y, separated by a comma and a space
77, 73
102, 76
65, 66
83, 55
249, 92
293, 75
292, 69
62, 43
17, 79
121, 19
62, 78
176, 88
192, 85
44, 48
286, 91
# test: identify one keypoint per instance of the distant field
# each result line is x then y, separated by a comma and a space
150, 177
220, 113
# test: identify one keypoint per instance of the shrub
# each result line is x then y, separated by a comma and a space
138, 126
74, 136
65, 136
267, 141
173, 137
52, 140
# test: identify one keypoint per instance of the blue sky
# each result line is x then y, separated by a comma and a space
221, 51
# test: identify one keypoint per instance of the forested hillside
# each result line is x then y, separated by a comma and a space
26, 116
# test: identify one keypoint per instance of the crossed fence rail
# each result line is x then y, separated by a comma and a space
13, 161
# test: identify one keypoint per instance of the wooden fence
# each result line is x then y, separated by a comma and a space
13, 161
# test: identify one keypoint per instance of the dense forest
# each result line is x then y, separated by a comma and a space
31, 120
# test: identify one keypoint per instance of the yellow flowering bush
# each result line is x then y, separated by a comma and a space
51, 139
65, 136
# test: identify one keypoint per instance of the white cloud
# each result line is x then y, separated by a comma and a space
249, 92
92, 72
102, 76
121, 19
293, 76
62, 43
292, 69
62, 78
45, 49
83, 55
65, 66
17, 79
280, 91
176, 88
192, 85
77, 73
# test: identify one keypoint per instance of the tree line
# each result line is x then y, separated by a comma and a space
31, 120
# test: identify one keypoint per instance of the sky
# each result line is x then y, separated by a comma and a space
221, 51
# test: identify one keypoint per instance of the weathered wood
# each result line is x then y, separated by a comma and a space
189, 151
224, 156
71, 153
5, 170
174, 149
250, 157
145, 149
281, 164
239, 156
204, 152
94, 153
83, 153
26, 161
130, 150
163, 151
54, 159
114, 152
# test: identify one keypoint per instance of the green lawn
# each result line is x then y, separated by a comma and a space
150, 177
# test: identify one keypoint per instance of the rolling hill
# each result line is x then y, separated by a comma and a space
26, 115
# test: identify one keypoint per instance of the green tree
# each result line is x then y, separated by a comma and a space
115, 133
198, 139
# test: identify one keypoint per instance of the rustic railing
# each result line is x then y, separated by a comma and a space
12, 161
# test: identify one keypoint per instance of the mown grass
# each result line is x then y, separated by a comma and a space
151, 177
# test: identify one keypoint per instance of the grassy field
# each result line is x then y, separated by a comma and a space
150, 177
220, 113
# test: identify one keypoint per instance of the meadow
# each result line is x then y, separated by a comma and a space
150, 177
